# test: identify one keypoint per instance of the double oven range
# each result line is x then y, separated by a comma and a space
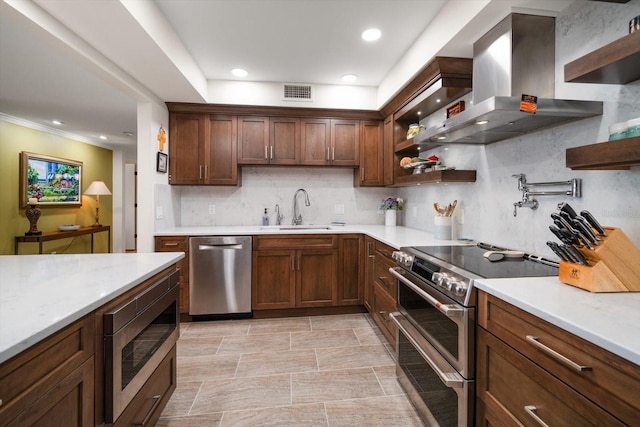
436, 320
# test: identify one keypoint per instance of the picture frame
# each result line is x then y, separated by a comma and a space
161, 164
53, 181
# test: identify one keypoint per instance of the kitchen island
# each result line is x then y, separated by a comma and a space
41, 294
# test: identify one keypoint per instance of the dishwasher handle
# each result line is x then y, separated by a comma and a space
223, 246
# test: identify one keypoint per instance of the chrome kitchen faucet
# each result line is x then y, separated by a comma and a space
297, 216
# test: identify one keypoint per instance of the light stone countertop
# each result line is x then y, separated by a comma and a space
608, 320
41, 294
393, 236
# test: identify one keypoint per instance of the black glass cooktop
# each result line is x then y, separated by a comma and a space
471, 258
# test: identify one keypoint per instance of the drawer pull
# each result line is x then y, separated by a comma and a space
384, 315
171, 245
147, 417
531, 410
554, 354
383, 280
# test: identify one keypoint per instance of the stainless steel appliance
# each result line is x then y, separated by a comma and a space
220, 275
138, 334
435, 350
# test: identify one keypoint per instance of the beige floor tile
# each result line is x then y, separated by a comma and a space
388, 379
298, 415
207, 420
386, 411
216, 329
182, 399
326, 386
202, 346
369, 336
316, 339
255, 343
276, 362
353, 357
273, 326
201, 368
345, 321
235, 394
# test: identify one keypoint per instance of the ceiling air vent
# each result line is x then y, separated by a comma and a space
297, 92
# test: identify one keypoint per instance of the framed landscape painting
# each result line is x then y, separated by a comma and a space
51, 180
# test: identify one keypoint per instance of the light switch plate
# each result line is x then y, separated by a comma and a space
212, 209
338, 209
159, 212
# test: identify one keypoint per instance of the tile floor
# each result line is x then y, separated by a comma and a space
303, 371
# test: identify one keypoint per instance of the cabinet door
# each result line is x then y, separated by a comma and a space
387, 143
186, 148
284, 141
345, 142
253, 140
316, 278
315, 136
350, 257
371, 172
273, 279
221, 151
369, 271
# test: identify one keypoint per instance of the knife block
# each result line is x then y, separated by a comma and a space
614, 266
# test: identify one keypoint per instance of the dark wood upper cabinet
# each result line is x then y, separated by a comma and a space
253, 140
315, 135
221, 151
284, 141
345, 143
371, 170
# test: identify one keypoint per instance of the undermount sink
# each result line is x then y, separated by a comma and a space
295, 227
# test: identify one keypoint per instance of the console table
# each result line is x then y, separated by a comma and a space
56, 235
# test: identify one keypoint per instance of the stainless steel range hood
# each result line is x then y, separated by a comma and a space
515, 57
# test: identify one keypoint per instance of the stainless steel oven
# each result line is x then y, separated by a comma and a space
436, 320
139, 333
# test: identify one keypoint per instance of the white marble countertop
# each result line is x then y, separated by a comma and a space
608, 320
393, 236
41, 294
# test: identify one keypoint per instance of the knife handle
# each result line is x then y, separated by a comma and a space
594, 222
565, 207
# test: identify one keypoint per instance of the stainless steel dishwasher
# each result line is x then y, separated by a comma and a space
220, 275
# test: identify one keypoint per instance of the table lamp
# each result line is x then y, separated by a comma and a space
97, 188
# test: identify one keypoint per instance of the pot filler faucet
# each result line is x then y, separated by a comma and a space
297, 216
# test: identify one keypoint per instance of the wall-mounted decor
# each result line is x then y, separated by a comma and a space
162, 163
51, 180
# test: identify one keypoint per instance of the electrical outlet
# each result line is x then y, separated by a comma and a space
212, 209
159, 212
338, 209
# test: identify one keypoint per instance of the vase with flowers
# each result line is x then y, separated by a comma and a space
391, 206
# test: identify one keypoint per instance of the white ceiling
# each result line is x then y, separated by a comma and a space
88, 63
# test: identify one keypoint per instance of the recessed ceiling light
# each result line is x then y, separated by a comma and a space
349, 78
128, 133
438, 100
57, 122
482, 122
239, 72
441, 137
104, 138
371, 35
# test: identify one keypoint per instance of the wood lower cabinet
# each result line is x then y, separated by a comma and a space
529, 370
381, 287
178, 244
350, 269
203, 149
52, 383
297, 271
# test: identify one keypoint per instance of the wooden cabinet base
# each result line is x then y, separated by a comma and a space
147, 405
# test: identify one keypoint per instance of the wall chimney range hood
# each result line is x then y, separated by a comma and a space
515, 57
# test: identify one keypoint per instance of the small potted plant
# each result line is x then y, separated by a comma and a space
391, 206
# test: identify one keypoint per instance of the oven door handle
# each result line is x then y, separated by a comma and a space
450, 379
449, 310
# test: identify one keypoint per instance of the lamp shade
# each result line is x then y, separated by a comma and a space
97, 188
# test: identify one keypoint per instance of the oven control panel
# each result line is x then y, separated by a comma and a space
403, 258
450, 283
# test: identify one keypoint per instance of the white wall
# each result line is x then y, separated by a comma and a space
612, 196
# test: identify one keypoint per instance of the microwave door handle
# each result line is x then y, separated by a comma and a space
449, 310
449, 379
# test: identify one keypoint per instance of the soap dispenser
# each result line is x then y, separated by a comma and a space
265, 217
